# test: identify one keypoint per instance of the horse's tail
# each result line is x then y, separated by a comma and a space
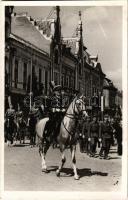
40, 126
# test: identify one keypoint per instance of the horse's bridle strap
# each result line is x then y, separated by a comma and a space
70, 133
72, 116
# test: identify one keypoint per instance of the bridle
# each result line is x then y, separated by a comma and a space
75, 115
72, 116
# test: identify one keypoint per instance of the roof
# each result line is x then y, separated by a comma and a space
23, 27
71, 42
45, 26
108, 84
28, 44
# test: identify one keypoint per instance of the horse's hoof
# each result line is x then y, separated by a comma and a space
76, 177
45, 171
57, 173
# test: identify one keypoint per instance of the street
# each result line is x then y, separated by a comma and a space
23, 171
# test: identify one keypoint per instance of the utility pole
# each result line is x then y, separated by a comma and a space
59, 42
81, 54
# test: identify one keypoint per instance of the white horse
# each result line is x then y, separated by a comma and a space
67, 135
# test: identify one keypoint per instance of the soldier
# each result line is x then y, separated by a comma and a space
10, 113
93, 133
55, 113
80, 134
85, 134
41, 113
19, 113
31, 125
118, 135
106, 132
10, 124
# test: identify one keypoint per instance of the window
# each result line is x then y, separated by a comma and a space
16, 73
46, 82
41, 86
40, 75
67, 81
24, 75
79, 86
33, 70
71, 83
62, 80
56, 78
86, 90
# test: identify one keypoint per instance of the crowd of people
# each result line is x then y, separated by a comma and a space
103, 134
91, 131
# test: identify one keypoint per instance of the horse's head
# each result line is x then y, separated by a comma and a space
80, 106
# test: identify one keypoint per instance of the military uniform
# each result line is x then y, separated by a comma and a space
118, 134
10, 124
93, 133
10, 114
32, 124
85, 135
19, 114
40, 112
79, 133
106, 132
55, 113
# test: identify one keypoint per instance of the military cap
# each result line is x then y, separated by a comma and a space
95, 115
57, 88
106, 116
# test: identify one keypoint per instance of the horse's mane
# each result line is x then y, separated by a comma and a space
74, 100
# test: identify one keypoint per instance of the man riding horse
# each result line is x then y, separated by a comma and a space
66, 136
55, 112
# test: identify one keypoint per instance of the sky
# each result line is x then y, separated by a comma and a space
102, 32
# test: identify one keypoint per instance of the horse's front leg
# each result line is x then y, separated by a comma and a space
63, 160
43, 150
73, 150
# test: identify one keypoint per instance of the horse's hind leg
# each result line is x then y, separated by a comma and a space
73, 150
63, 160
43, 150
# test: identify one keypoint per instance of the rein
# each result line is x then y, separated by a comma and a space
70, 133
72, 116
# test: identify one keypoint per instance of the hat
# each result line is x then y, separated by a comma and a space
57, 88
95, 115
106, 115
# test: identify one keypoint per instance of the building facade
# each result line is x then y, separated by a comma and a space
39, 54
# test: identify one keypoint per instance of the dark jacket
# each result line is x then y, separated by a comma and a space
106, 130
93, 129
85, 129
118, 131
